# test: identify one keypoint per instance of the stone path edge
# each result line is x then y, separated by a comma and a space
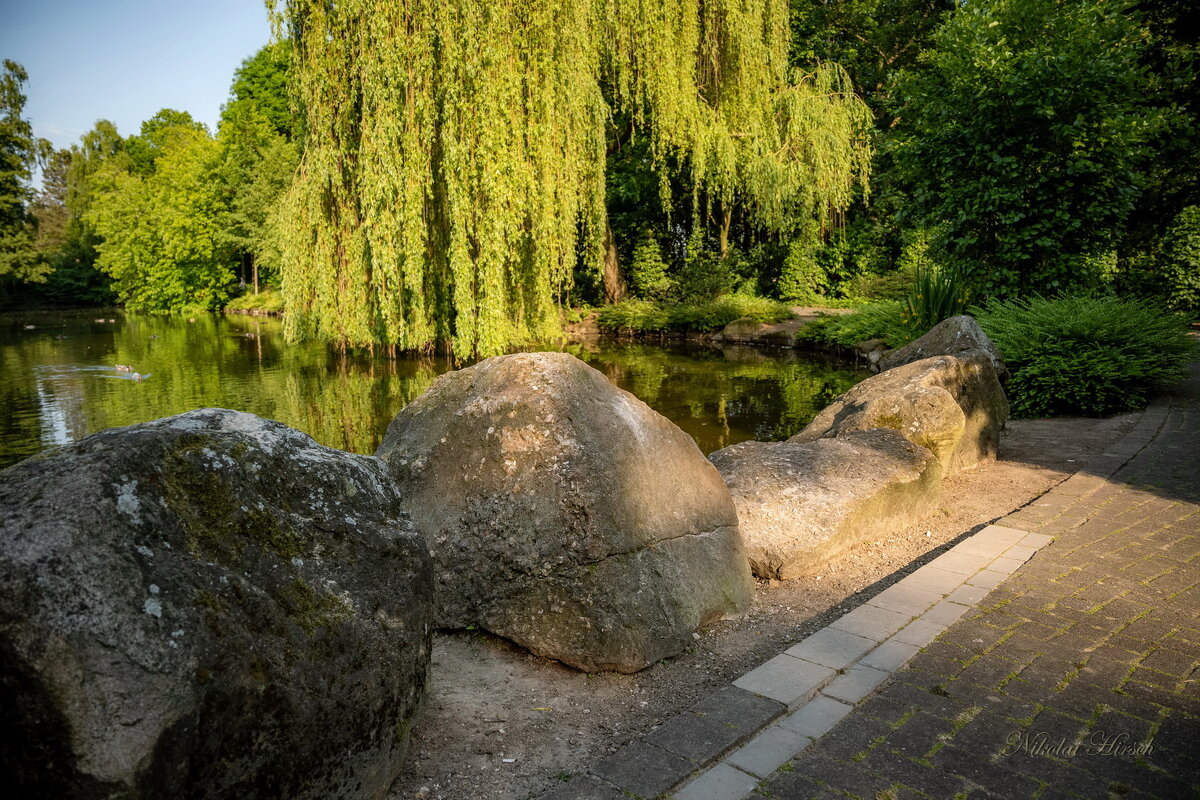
723, 745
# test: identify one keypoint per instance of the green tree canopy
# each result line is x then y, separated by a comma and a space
262, 81
1022, 134
160, 232
453, 170
20, 151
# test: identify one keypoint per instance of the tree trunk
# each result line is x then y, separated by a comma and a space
726, 222
254, 266
614, 283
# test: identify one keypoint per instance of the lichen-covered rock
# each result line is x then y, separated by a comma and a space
801, 504
952, 405
566, 515
950, 337
210, 605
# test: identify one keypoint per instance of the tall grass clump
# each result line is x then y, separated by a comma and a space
937, 293
1084, 355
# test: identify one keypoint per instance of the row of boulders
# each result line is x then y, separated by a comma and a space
213, 604
874, 459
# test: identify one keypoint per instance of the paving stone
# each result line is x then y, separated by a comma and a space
730, 705
945, 613
720, 782
643, 769
1006, 565
988, 578
962, 562
932, 579
906, 598
698, 738
982, 772
967, 595
768, 751
890, 655
872, 622
831, 647
785, 679
920, 632
816, 717
789, 784
856, 683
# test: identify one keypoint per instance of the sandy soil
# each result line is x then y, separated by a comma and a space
505, 725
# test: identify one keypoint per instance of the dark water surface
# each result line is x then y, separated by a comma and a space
59, 382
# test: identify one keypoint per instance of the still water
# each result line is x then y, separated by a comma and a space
59, 380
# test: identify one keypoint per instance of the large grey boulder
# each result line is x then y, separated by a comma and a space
950, 337
952, 405
801, 504
207, 606
566, 515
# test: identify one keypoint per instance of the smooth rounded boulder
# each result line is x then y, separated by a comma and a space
210, 605
952, 405
566, 515
801, 504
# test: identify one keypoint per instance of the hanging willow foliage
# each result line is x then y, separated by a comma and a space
453, 171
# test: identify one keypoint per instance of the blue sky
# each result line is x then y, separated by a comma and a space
123, 60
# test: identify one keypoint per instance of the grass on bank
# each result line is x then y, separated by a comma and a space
268, 301
648, 316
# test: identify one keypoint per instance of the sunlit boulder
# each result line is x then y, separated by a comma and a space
565, 515
952, 405
801, 504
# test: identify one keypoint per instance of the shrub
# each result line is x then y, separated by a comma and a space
885, 320
802, 279
1180, 262
632, 316
1086, 355
648, 270
644, 316
268, 301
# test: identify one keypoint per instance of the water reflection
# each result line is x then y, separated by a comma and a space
60, 380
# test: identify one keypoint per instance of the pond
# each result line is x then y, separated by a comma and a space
60, 379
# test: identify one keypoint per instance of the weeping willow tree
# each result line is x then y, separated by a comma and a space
453, 171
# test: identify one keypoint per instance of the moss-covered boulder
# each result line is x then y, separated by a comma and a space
801, 504
207, 606
952, 405
566, 515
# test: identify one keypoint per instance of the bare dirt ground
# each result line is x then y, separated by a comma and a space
501, 724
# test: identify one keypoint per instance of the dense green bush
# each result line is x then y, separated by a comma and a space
884, 320
1086, 355
1180, 262
802, 278
268, 301
645, 316
647, 269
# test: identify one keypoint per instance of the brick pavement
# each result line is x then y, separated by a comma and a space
1010, 666
1077, 677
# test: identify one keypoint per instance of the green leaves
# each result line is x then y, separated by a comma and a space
1086, 355
1023, 133
453, 174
